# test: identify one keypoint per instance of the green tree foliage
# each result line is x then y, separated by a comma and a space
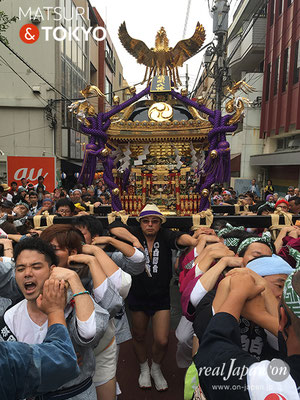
5, 21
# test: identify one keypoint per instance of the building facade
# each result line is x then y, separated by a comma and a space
34, 106
280, 118
245, 60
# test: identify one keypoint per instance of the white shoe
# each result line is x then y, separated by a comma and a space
159, 380
145, 379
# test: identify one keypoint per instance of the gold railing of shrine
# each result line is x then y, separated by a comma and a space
185, 204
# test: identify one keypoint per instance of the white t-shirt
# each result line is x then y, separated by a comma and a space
27, 331
22, 326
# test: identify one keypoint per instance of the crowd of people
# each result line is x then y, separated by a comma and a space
63, 290
264, 204
27, 199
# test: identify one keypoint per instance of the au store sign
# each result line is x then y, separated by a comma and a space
31, 168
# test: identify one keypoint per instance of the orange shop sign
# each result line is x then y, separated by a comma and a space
31, 168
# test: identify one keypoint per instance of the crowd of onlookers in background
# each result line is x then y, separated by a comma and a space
28, 199
265, 202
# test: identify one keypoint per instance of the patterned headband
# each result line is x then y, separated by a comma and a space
291, 298
229, 228
267, 203
296, 255
265, 238
231, 242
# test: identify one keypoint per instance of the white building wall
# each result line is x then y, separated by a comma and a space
247, 141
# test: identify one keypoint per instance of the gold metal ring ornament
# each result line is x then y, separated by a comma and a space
184, 92
104, 152
205, 192
160, 112
214, 154
116, 100
200, 100
115, 192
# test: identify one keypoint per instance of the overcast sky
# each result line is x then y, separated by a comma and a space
145, 18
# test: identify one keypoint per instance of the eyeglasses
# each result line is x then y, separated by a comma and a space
148, 221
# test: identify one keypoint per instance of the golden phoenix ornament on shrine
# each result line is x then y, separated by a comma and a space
237, 103
82, 108
162, 59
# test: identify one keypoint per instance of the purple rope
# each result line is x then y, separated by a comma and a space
214, 170
97, 141
218, 169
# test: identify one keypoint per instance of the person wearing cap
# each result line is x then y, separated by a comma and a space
227, 197
149, 296
282, 205
2, 195
217, 200
6, 195
237, 374
21, 195
6, 207
47, 205
21, 209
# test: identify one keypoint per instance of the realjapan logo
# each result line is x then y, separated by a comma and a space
30, 33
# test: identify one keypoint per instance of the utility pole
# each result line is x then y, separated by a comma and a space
220, 12
187, 77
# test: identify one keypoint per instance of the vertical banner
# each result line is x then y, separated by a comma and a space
31, 168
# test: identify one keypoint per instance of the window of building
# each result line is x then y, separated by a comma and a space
120, 79
289, 2
272, 11
296, 62
109, 57
286, 65
109, 49
108, 90
276, 75
280, 6
268, 78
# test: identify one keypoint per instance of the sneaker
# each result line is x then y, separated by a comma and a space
159, 380
145, 379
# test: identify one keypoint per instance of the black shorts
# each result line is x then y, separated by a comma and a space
149, 305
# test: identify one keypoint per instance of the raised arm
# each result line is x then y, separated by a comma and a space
124, 234
125, 248
186, 240
84, 305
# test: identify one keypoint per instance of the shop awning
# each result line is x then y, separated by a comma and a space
278, 158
